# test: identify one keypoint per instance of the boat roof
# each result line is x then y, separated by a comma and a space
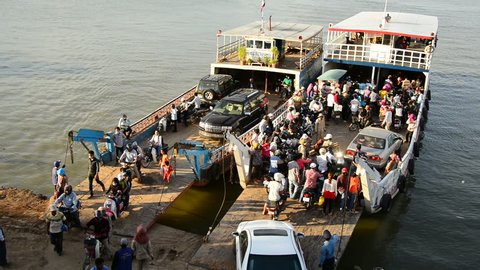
400, 24
332, 75
280, 30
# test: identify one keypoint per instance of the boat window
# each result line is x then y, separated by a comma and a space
267, 45
387, 39
249, 43
258, 44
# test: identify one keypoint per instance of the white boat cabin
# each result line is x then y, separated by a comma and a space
283, 48
383, 39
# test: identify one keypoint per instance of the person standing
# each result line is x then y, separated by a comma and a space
62, 182
93, 172
184, 111
167, 170
293, 178
327, 252
387, 121
330, 104
329, 192
101, 229
56, 166
119, 141
157, 143
124, 124
142, 247
123, 258
174, 117
55, 221
3, 249
353, 190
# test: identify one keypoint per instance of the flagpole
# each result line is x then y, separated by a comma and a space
263, 3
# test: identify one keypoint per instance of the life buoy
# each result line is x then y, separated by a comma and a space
411, 166
386, 202
429, 95
402, 183
416, 149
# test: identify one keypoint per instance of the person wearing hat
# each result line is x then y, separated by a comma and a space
123, 258
55, 220
325, 160
294, 177
275, 189
129, 156
311, 177
101, 229
124, 124
304, 146
327, 252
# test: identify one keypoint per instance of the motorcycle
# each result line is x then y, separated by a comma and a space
92, 248
337, 113
273, 209
355, 125
72, 217
308, 199
113, 206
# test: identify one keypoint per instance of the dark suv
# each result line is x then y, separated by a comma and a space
237, 112
213, 87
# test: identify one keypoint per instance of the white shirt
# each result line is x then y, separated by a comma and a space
129, 156
331, 187
263, 126
196, 101
174, 114
330, 100
124, 123
156, 140
274, 189
388, 117
322, 161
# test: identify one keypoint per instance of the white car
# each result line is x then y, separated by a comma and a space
268, 244
377, 143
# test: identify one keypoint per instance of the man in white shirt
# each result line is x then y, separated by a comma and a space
330, 104
124, 124
174, 117
129, 156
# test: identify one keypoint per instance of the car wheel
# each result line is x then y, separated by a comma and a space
208, 95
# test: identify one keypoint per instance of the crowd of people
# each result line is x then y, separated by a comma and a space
293, 157
298, 150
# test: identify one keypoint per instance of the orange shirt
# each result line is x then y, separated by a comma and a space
354, 184
163, 159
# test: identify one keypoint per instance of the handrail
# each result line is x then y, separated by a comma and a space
377, 53
153, 117
229, 49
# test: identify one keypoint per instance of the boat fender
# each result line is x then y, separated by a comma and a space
429, 94
411, 166
416, 149
386, 202
427, 104
402, 183
422, 124
421, 135
425, 115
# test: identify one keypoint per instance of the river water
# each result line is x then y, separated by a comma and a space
66, 65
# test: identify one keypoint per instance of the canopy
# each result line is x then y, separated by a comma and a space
399, 24
332, 75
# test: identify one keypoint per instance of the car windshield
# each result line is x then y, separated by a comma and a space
207, 85
369, 141
277, 262
228, 107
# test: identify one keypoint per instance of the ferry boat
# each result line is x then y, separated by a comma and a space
379, 44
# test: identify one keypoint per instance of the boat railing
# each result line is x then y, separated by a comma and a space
378, 53
279, 116
223, 52
159, 113
310, 56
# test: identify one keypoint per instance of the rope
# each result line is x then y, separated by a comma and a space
345, 206
205, 239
